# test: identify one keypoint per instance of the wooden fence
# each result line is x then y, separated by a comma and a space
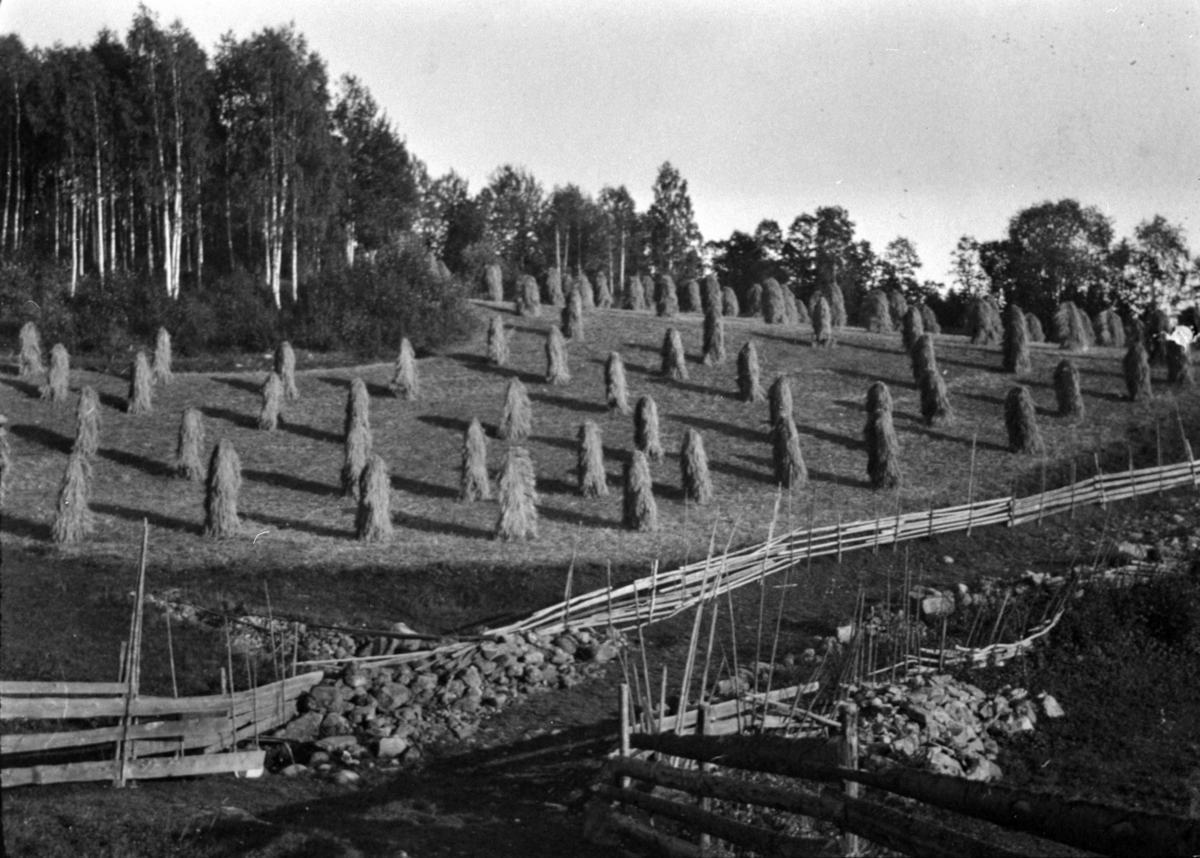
154, 737
703, 767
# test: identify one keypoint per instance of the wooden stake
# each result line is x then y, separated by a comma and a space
702, 725
971, 486
1042, 496
896, 535
1072, 489
171, 654
295, 648
1158, 445
133, 670
567, 591
839, 536
1100, 481
271, 624
625, 748
121, 662
662, 700
1133, 492
849, 760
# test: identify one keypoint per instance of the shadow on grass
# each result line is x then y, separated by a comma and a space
454, 424
982, 397
111, 400
1107, 397
28, 388
151, 467
567, 516
569, 404
286, 425
40, 435
744, 473
740, 432
23, 527
166, 522
241, 384
287, 481
816, 475
421, 487
475, 362
955, 439
242, 421
871, 378
444, 528
850, 443
297, 524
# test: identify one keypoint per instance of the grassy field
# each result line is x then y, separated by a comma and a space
296, 522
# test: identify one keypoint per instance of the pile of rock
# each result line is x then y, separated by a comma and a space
396, 710
943, 725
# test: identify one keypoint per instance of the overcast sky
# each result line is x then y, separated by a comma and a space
924, 119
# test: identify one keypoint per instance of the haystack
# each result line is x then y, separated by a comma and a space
729, 303
497, 342
1137, 372
373, 523
141, 386
749, 385
1016, 341
474, 484
693, 466
1066, 389
285, 368
877, 316
30, 361
822, 322
87, 424
779, 399
57, 386
189, 461
572, 318
666, 302
1020, 418
357, 450
714, 337
645, 429
589, 463
914, 327
73, 518
615, 394
405, 383
557, 369
935, 401
358, 406
518, 497
640, 510
516, 421
272, 402
674, 364
221, 492
790, 470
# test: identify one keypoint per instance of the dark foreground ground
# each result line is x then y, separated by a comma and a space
1126, 668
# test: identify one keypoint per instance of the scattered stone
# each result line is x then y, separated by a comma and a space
345, 777
1052, 708
294, 770
338, 742
393, 746
305, 728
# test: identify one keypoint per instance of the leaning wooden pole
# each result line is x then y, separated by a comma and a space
133, 668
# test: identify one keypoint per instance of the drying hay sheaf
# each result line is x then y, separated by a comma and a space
615, 394
914, 327
822, 323
773, 307
693, 467
518, 497
779, 399
1158, 325
984, 325
583, 288
572, 318
1108, 328
497, 342
272, 402
474, 484
285, 368
589, 464
604, 298
713, 294
555, 296
801, 309
58, 384
749, 385
1137, 372
221, 492
357, 450
635, 297
833, 295
787, 457
897, 306
923, 357
1072, 327
189, 460
73, 518
930, 320
695, 304
373, 523
557, 369
529, 303
358, 406
666, 301
87, 424
714, 337
645, 429
754, 300
877, 315
141, 386
405, 383
729, 303
791, 307
1016, 341
1036, 333
516, 421
935, 401
1066, 389
1020, 419
1179, 365
162, 357
674, 363
493, 281
30, 360
883, 447
640, 511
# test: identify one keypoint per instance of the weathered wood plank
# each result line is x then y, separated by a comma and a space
23, 743
145, 769
47, 689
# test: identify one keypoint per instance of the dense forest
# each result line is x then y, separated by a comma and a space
241, 195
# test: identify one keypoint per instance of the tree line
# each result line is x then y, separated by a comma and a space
144, 156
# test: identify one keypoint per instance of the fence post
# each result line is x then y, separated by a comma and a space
623, 782
848, 748
1099, 479
702, 717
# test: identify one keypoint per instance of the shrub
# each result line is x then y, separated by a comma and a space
749, 386
822, 322
935, 402
665, 300
58, 384
645, 429
1020, 419
640, 510
474, 484
557, 370
589, 466
1066, 389
73, 518
141, 386
272, 401
221, 492
405, 383
285, 368
729, 303
373, 523
614, 384
877, 317
188, 463
914, 327
790, 470
693, 466
31, 352
714, 337
883, 447
674, 364
518, 497
516, 421
87, 424
497, 342
1137, 372
1016, 341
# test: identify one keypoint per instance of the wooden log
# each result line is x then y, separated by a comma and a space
62, 689
1085, 825
23, 743
738, 833
600, 819
896, 830
848, 759
178, 767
